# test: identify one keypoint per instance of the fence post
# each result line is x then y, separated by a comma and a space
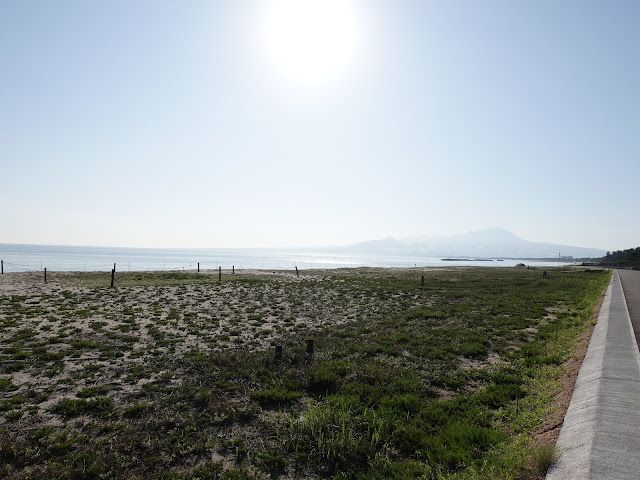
219, 274
233, 269
422, 281
297, 273
45, 274
113, 274
198, 267
2, 266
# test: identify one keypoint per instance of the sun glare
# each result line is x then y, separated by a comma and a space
310, 41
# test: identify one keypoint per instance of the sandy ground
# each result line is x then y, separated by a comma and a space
111, 331
125, 326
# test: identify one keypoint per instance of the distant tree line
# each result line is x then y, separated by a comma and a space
623, 258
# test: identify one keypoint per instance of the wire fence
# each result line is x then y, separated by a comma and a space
14, 267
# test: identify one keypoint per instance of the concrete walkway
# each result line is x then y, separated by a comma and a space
600, 436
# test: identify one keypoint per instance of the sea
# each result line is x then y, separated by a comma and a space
29, 258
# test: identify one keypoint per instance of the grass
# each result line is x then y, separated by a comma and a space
173, 375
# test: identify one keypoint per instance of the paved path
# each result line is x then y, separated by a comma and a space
600, 436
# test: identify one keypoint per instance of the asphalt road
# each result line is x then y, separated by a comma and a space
631, 285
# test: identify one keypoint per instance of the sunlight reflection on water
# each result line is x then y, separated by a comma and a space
19, 258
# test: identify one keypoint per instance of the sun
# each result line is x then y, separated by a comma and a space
310, 41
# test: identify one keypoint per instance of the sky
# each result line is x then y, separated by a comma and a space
247, 123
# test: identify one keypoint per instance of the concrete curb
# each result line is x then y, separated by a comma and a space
600, 435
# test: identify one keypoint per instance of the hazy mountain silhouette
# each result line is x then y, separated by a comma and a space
489, 242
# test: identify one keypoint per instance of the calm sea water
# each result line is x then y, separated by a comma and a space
22, 258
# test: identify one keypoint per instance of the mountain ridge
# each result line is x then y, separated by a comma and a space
492, 242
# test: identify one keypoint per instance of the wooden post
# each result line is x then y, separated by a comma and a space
113, 274
2, 266
297, 273
45, 274
278, 353
219, 274
422, 281
233, 269
114, 267
309, 347
198, 267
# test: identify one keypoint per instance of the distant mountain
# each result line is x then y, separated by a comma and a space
388, 245
487, 243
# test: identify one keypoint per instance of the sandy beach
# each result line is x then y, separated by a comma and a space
186, 357
134, 322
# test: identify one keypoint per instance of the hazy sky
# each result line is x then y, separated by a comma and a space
198, 124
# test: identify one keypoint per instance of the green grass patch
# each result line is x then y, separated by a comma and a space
172, 369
